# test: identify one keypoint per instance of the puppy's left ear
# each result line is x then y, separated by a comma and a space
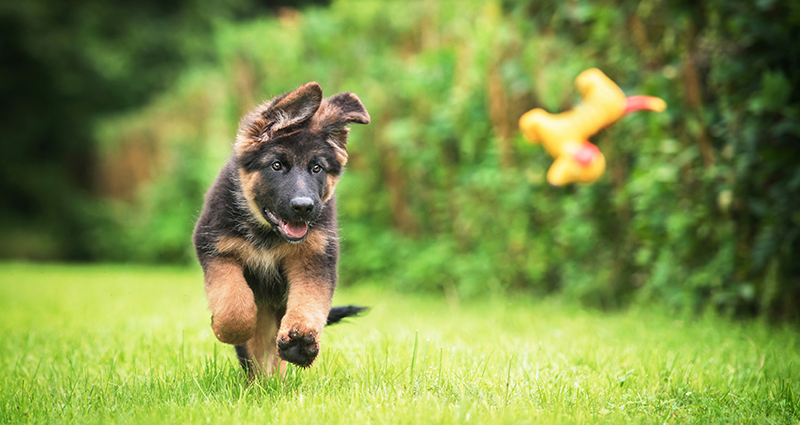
278, 115
335, 115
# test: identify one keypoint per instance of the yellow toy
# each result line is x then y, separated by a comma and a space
565, 135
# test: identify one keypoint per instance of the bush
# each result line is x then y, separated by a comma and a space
698, 208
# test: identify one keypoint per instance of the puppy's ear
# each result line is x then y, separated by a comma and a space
278, 115
334, 116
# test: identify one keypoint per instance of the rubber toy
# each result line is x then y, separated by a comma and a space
565, 135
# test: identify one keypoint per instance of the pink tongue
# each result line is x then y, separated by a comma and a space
295, 229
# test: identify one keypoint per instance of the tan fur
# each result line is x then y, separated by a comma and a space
341, 153
247, 254
308, 304
301, 95
325, 115
262, 346
309, 301
268, 259
331, 186
250, 136
230, 300
268, 119
248, 182
315, 243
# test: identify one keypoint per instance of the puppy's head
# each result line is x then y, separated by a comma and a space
291, 151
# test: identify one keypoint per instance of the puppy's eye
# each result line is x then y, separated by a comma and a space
317, 168
276, 165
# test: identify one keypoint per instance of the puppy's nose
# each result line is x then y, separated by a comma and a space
302, 205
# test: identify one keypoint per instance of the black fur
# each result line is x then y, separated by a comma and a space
244, 358
274, 190
338, 313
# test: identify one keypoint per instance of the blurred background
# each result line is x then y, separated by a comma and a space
116, 117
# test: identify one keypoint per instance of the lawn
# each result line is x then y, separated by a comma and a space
113, 344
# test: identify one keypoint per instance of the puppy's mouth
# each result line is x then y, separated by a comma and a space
292, 231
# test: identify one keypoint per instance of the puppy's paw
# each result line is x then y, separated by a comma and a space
298, 346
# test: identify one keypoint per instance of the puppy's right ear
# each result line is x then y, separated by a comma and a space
278, 115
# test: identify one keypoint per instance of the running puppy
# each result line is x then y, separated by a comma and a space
267, 237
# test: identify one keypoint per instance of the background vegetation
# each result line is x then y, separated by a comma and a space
117, 124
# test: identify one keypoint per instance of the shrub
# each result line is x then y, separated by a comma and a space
698, 208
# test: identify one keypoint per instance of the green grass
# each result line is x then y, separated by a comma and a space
107, 344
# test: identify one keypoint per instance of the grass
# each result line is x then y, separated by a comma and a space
110, 344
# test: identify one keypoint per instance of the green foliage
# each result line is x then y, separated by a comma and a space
110, 344
698, 208
66, 66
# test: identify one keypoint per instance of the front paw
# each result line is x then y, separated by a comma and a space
298, 346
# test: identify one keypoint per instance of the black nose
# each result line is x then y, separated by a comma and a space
302, 206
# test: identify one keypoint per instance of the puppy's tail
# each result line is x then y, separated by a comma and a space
338, 313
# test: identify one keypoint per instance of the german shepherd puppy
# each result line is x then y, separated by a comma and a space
267, 237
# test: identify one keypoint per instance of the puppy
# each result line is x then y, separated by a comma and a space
267, 237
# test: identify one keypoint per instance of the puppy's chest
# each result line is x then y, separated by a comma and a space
262, 267
270, 287
262, 262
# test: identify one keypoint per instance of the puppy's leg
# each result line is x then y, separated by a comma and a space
233, 309
311, 284
262, 347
